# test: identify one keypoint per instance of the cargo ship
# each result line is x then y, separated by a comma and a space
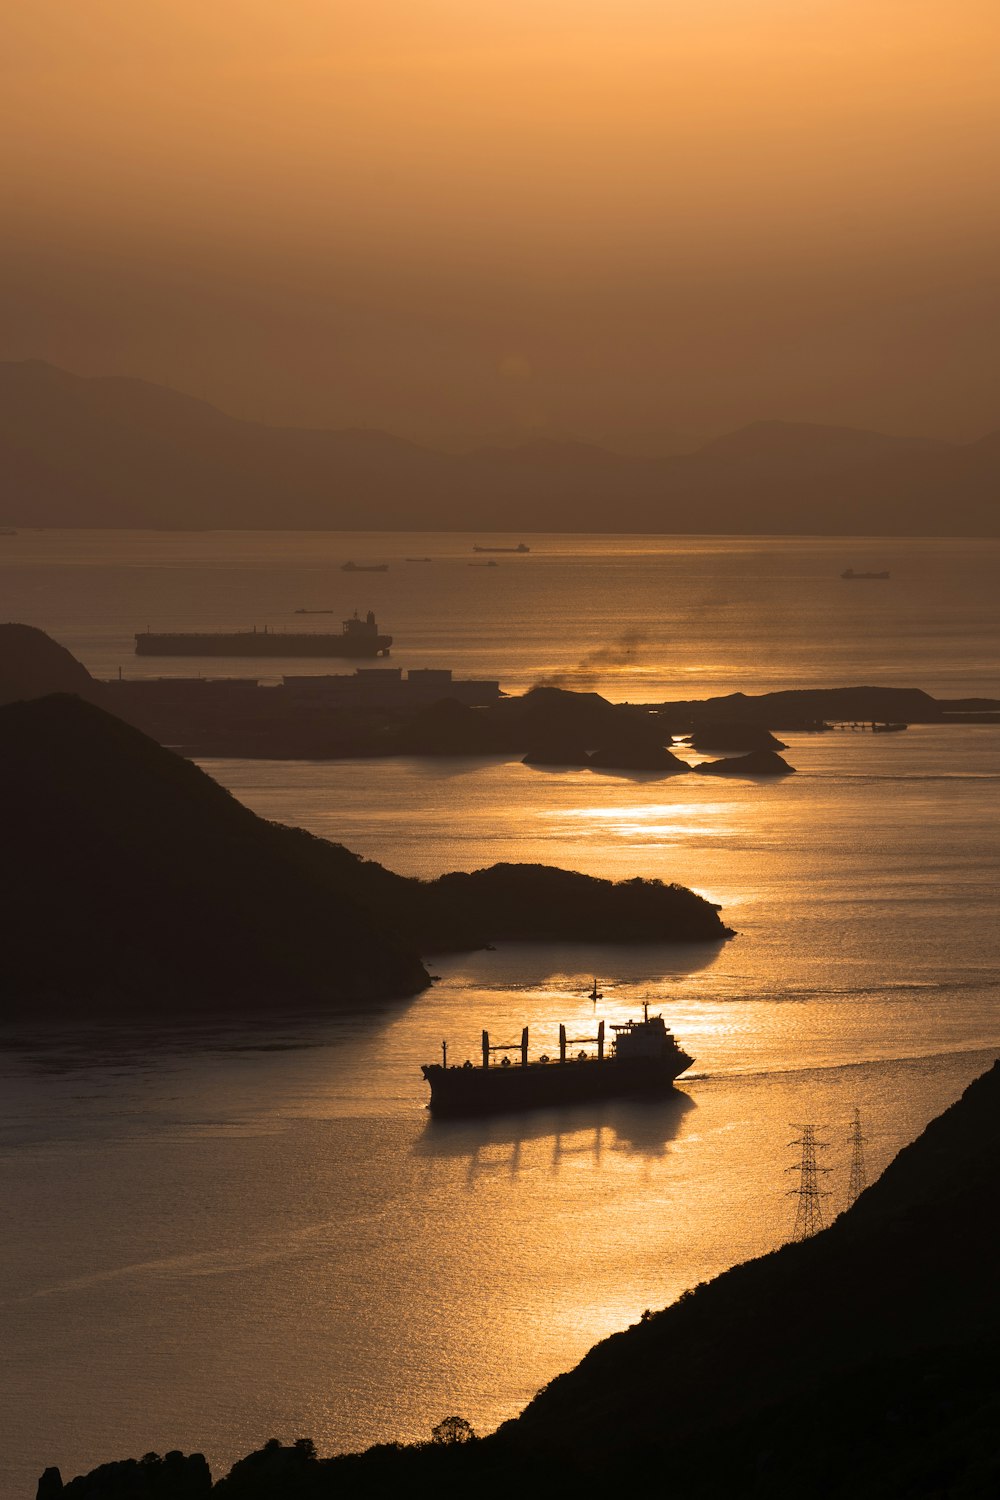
519, 548
644, 1059
850, 574
357, 638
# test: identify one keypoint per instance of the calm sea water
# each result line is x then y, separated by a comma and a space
234, 1233
635, 617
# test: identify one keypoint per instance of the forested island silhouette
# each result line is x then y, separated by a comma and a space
167, 895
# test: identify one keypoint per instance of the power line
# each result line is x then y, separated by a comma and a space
809, 1213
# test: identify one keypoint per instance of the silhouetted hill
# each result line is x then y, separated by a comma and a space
539, 903
809, 450
745, 735
133, 882
857, 1365
32, 665
114, 451
864, 1358
791, 708
552, 713
638, 755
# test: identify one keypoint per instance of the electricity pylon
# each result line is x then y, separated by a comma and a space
809, 1214
859, 1178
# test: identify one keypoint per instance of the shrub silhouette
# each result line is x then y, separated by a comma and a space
453, 1430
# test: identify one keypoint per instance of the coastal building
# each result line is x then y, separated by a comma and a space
311, 714
389, 687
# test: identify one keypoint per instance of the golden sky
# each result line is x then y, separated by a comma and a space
645, 220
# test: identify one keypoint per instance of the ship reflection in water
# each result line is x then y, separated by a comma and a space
579, 1134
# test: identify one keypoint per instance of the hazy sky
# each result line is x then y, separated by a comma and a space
608, 217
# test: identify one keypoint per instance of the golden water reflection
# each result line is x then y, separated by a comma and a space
557, 1137
659, 823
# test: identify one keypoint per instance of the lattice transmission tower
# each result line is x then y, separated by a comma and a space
809, 1213
859, 1177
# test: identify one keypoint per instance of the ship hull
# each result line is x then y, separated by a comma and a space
260, 643
498, 1090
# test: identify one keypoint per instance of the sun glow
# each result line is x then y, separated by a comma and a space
661, 823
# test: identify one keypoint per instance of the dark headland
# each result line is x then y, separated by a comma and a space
135, 883
545, 726
861, 1364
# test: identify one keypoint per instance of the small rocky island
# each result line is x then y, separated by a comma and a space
757, 763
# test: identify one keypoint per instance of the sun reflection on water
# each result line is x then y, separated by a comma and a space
658, 823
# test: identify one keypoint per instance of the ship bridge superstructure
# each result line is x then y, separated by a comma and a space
649, 1037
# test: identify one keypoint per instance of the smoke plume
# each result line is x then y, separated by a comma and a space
597, 664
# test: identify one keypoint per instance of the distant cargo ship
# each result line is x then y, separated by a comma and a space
850, 573
645, 1059
357, 638
519, 548
353, 567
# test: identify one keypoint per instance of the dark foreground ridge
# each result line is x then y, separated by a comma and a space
859, 1365
135, 881
856, 1365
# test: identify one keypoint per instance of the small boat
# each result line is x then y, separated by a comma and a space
850, 574
418, 559
595, 993
353, 567
490, 564
888, 728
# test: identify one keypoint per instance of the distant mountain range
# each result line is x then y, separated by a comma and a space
121, 452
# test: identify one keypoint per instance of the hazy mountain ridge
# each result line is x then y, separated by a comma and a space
120, 452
